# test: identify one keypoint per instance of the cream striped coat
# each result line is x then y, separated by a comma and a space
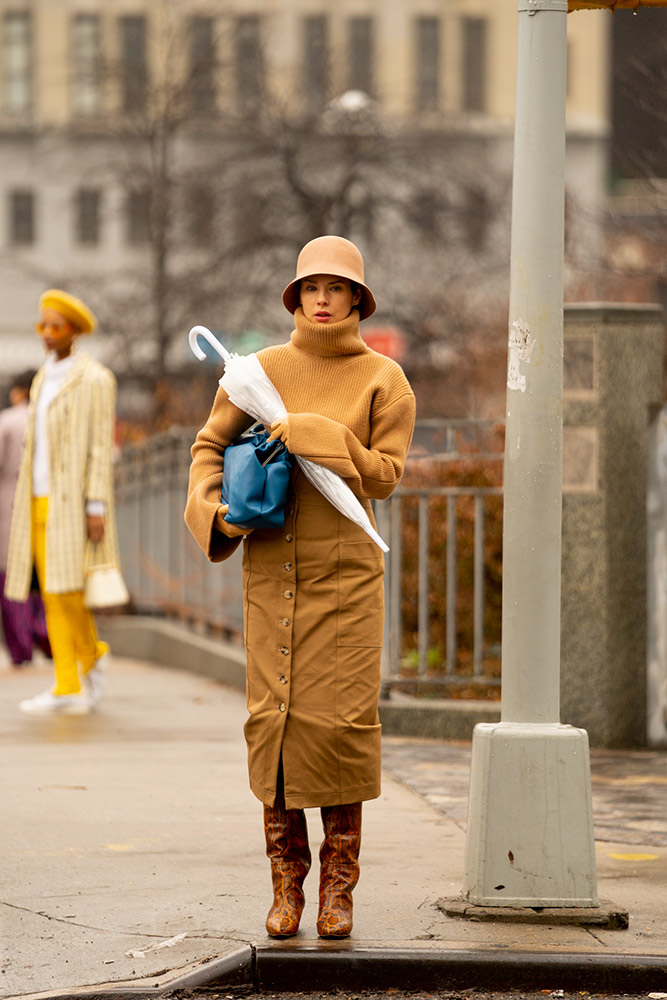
80, 429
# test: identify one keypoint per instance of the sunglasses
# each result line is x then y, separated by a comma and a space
42, 327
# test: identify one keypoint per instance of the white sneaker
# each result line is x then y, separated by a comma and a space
48, 703
95, 679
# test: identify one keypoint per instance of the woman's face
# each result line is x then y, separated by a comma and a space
326, 298
57, 333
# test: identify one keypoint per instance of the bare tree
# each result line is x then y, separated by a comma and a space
217, 201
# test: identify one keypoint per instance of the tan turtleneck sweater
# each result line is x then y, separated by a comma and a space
349, 409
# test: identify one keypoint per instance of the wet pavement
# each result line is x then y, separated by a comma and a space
133, 852
629, 787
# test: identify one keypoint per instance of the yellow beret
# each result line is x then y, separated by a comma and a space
70, 307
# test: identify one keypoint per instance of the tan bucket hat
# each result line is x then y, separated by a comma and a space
330, 255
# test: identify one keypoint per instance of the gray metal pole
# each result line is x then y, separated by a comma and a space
530, 828
533, 445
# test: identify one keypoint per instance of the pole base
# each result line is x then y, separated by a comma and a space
607, 915
530, 839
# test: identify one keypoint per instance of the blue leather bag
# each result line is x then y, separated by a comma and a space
255, 478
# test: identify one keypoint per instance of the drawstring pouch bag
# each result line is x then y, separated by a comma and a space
255, 478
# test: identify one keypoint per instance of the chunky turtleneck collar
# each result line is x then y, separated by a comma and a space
328, 341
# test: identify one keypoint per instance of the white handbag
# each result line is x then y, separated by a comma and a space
105, 588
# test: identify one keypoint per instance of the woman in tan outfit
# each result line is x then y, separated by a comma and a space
314, 603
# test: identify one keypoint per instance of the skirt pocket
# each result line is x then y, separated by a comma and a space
360, 594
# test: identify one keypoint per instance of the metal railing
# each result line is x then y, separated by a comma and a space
164, 569
167, 574
390, 516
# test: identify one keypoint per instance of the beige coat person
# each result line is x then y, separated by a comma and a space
80, 436
314, 603
12, 428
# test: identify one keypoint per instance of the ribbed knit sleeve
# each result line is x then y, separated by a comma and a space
374, 471
224, 424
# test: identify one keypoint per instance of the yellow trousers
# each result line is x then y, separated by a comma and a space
71, 626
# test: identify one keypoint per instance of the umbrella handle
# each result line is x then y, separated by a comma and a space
203, 331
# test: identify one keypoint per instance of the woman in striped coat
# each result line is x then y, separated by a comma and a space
63, 519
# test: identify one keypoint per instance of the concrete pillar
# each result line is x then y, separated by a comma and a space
656, 679
612, 383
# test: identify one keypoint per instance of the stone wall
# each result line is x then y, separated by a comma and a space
612, 387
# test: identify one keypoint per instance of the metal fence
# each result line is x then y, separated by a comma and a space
167, 574
165, 571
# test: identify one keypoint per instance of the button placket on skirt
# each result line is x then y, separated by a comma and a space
285, 623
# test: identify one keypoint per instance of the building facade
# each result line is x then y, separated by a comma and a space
107, 107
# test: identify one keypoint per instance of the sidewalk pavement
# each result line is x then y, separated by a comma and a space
133, 858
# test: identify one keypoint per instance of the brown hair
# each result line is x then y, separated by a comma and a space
23, 380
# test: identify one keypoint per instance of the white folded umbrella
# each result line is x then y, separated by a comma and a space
250, 388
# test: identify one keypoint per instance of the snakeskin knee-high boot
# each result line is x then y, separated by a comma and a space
287, 849
339, 868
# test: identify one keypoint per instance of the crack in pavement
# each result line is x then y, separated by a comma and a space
107, 930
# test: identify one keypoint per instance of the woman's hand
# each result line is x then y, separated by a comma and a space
231, 530
280, 430
95, 527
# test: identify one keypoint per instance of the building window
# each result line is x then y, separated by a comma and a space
88, 204
365, 220
248, 59
201, 215
569, 68
250, 212
22, 217
476, 217
474, 64
427, 63
425, 212
134, 73
316, 61
137, 218
17, 62
360, 54
202, 64
86, 61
